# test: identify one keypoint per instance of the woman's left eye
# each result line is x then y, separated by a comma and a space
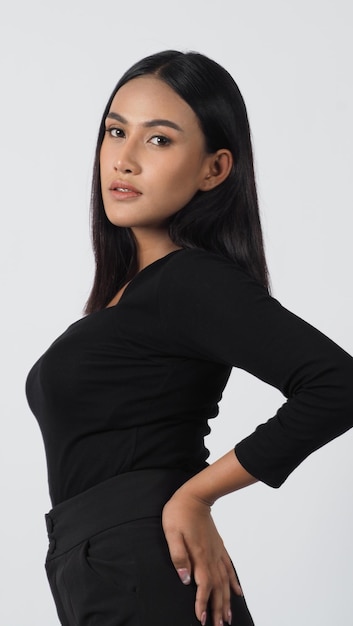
160, 140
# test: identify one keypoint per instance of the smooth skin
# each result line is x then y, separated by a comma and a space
153, 160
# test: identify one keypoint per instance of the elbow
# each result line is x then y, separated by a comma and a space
344, 390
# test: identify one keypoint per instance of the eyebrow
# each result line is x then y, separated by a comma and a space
149, 124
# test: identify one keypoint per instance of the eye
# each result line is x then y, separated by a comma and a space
160, 140
116, 133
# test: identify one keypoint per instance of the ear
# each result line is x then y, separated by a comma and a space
219, 165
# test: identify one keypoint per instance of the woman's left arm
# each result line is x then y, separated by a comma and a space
195, 546
212, 310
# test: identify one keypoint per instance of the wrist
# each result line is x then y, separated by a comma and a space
191, 492
218, 479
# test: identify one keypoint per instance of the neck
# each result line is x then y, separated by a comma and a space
151, 246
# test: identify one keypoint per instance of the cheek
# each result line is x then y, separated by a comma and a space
186, 184
183, 177
101, 167
178, 192
104, 157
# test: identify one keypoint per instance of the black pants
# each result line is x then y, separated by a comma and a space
108, 562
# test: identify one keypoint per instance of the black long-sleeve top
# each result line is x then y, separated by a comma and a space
133, 386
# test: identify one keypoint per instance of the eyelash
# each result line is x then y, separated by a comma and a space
110, 132
163, 141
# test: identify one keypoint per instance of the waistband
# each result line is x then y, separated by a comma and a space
118, 500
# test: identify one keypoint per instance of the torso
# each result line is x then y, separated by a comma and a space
116, 392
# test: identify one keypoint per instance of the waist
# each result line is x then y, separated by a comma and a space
118, 500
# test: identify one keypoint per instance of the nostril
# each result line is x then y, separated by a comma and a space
119, 168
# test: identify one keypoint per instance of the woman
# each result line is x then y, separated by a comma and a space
123, 396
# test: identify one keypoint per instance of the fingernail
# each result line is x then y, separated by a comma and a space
229, 617
203, 618
184, 575
220, 622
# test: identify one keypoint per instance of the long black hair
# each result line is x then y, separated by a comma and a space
225, 219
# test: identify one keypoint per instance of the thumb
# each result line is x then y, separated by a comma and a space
179, 556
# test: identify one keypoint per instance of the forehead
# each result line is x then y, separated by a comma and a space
147, 97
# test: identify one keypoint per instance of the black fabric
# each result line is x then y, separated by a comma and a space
108, 560
132, 387
123, 498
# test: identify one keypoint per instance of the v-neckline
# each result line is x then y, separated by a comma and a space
127, 286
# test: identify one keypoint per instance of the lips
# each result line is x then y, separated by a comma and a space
120, 186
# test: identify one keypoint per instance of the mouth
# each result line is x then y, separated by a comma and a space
122, 187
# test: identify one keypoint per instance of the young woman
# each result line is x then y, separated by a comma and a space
123, 397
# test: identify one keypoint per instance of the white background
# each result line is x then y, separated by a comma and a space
293, 63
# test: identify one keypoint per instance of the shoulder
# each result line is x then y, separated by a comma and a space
197, 257
197, 262
199, 270
207, 303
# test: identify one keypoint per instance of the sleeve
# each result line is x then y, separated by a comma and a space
213, 310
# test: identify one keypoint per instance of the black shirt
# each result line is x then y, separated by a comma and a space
133, 386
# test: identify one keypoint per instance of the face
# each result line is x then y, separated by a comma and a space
153, 158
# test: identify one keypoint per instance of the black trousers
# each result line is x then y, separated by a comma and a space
108, 562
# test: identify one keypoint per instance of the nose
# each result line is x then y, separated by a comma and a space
126, 159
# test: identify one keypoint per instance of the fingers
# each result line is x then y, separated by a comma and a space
213, 587
184, 575
232, 577
179, 556
214, 581
225, 606
197, 550
204, 584
213, 594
